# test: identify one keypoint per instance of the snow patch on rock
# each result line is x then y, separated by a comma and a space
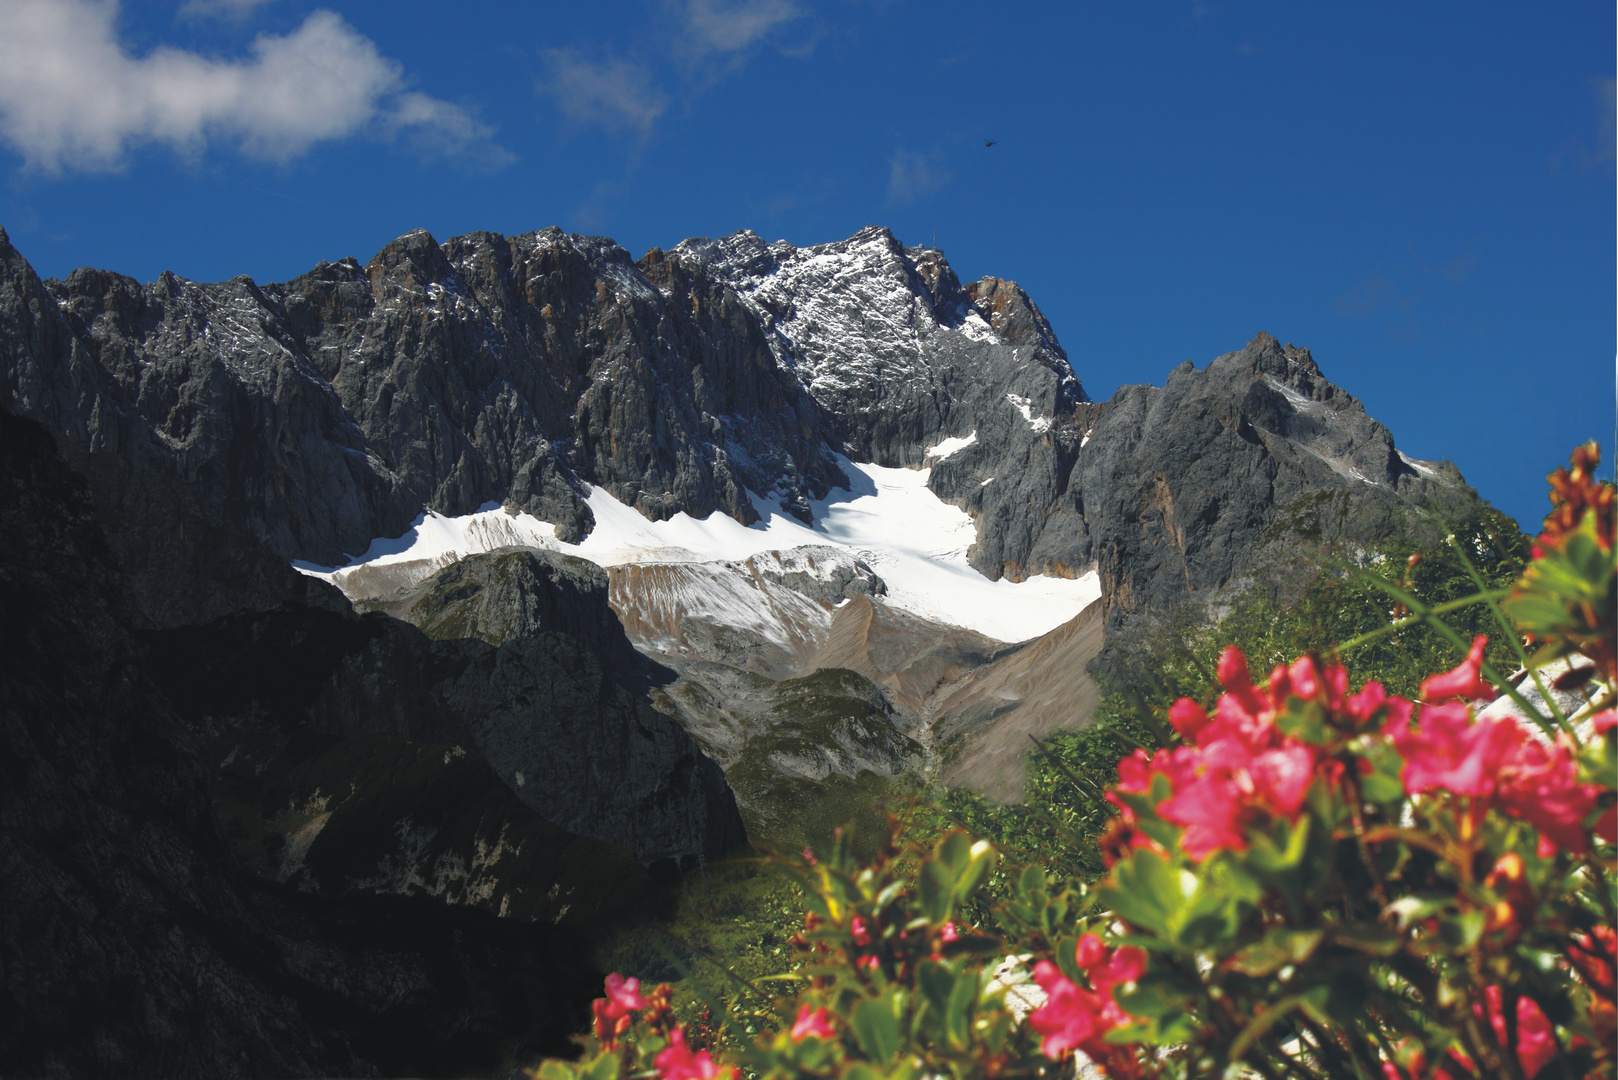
952, 445
1421, 467
888, 519
1026, 407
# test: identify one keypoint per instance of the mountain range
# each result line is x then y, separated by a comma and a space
495, 578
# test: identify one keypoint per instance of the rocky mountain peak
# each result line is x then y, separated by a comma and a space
330, 410
1019, 322
412, 262
1266, 355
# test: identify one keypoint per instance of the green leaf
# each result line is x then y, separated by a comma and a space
936, 885
1152, 893
1461, 930
1066, 957
937, 984
1176, 1029
877, 1028
1312, 1001
1412, 909
980, 861
955, 850
1367, 938
1384, 783
1142, 941
1271, 857
961, 1002
1157, 994
1303, 720
559, 1070
1278, 948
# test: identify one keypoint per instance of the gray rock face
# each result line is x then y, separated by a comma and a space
893, 349
567, 730
327, 411
1173, 487
899, 356
533, 670
323, 412
516, 593
827, 574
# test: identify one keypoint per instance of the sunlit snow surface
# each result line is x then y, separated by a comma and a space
952, 445
915, 541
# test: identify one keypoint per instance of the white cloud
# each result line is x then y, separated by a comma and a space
71, 96
912, 176
612, 93
221, 9
730, 25
706, 42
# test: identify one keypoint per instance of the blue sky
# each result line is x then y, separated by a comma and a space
1422, 193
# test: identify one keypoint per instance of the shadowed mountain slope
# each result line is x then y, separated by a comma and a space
135, 941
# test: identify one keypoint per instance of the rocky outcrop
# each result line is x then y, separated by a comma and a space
134, 941
820, 751
518, 593
1177, 485
378, 816
561, 719
1166, 489
900, 357
768, 613
323, 412
318, 414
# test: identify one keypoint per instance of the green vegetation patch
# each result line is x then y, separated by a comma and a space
829, 753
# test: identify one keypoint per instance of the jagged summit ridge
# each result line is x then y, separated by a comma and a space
888, 342
327, 410
321, 413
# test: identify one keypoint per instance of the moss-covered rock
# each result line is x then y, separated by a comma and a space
830, 751
512, 593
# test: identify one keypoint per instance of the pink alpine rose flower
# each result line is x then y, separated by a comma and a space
1188, 718
816, 1023
1068, 1017
677, 1062
1282, 776
1536, 1039
623, 995
1540, 786
1210, 808
1074, 1018
1465, 682
1447, 752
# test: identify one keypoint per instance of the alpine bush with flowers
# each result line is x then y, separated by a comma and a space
1315, 879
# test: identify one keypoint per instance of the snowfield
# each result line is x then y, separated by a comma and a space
888, 518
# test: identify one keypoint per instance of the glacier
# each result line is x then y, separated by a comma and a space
887, 517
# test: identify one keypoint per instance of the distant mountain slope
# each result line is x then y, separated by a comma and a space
137, 940
1044, 686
